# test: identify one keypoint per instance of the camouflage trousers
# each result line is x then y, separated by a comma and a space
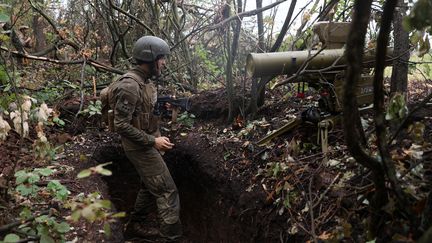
157, 191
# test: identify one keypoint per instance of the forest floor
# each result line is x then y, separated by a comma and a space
231, 189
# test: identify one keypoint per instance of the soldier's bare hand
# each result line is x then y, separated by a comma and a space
163, 143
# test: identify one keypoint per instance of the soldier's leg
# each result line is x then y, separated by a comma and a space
167, 200
145, 203
138, 225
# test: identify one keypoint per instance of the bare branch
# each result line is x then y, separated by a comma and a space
132, 17
244, 14
91, 62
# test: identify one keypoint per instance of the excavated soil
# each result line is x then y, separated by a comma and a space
214, 204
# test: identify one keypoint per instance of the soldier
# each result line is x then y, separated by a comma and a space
132, 98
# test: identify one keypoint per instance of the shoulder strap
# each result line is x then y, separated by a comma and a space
133, 76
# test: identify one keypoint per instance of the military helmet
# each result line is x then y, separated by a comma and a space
149, 48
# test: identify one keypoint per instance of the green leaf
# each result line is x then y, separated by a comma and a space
20, 173
84, 173
60, 191
99, 169
105, 172
26, 190
21, 176
8, 87
25, 213
286, 202
11, 238
299, 43
33, 178
397, 108
276, 169
119, 215
46, 239
107, 229
42, 219
88, 213
21, 179
44, 171
105, 204
63, 227
76, 215
4, 17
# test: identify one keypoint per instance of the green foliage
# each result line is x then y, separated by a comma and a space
274, 169
26, 181
421, 66
420, 17
186, 119
5, 11
6, 99
210, 66
397, 108
99, 169
416, 131
94, 108
10, 238
43, 150
50, 230
93, 209
57, 189
59, 122
3, 75
285, 196
45, 226
90, 207
53, 91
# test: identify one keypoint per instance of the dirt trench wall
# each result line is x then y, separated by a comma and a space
214, 197
214, 207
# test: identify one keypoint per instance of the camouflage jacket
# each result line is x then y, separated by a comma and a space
132, 98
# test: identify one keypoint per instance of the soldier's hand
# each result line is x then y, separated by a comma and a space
163, 143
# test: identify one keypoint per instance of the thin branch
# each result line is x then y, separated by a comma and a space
244, 14
132, 17
379, 107
304, 66
311, 213
82, 88
325, 192
47, 18
91, 62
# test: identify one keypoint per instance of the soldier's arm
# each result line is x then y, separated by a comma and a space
126, 101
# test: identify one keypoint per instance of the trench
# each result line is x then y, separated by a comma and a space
206, 209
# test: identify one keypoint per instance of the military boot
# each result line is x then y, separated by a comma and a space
171, 232
135, 229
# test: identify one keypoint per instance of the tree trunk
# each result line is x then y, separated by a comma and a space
232, 52
379, 106
352, 132
253, 107
184, 46
399, 78
38, 32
